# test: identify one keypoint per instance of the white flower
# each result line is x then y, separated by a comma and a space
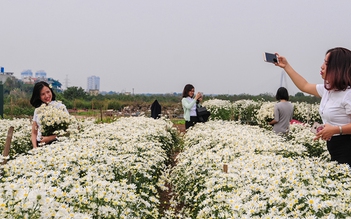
54, 118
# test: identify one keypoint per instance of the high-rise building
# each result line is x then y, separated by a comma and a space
40, 74
93, 83
26, 74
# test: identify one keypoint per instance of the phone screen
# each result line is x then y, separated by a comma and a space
270, 57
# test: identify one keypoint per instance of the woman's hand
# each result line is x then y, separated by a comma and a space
327, 132
47, 139
198, 95
272, 122
282, 62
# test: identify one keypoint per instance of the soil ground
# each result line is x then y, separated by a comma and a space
180, 127
165, 196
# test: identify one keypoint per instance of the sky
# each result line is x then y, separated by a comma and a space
159, 46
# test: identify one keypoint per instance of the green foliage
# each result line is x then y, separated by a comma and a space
114, 104
16, 110
299, 94
305, 99
10, 84
74, 93
106, 120
18, 107
178, 121
222, 113
81, 104
98, 104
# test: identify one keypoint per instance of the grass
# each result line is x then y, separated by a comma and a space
178, 121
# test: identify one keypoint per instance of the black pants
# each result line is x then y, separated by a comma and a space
339, 148
192, 122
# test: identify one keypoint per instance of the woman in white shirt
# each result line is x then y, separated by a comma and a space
42, 93
189, 105
335, 106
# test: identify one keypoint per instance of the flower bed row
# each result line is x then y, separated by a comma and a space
258, 112
114, 170
267, 177
103, 171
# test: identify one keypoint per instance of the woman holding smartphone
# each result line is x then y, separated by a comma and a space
189, 105
335, 106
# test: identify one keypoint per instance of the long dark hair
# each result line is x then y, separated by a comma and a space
35, 99
338, 72
186, 90
282, 94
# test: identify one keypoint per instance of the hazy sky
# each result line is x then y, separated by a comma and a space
159, 46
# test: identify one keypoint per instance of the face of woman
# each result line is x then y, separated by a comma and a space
191, 92
324, 66
45, 95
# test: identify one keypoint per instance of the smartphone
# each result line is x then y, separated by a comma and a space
270, 57
316, 127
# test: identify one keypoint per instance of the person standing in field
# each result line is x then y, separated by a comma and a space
42, 94
335, 105
283, 112
189, 102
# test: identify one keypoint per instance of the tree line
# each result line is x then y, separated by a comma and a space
17, 95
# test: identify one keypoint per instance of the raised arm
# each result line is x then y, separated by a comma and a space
188, 105
298, 80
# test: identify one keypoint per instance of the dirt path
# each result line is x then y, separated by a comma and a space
166, 196
180, 127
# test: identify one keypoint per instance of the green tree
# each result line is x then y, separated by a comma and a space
10, 84
114, 104
72, 93
98, 104
299, 94
27, 88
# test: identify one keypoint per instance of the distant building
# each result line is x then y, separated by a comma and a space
27, 77
40, 75
93, 83
93, 92
26, 74
4, 75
